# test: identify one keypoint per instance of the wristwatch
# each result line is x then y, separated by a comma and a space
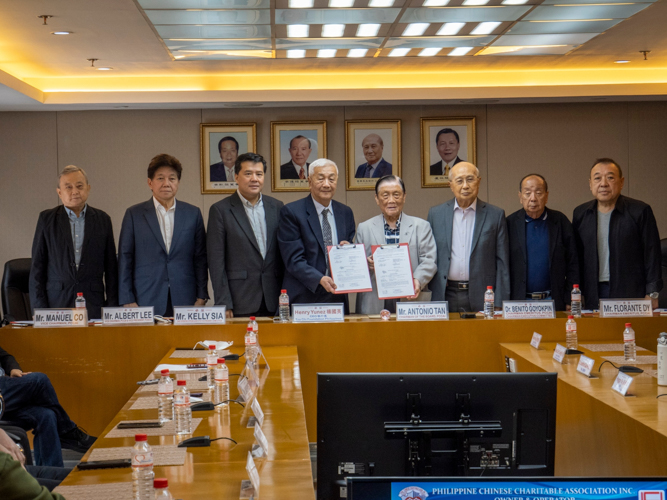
654, 295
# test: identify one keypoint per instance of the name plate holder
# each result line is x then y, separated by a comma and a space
261, 448
535, 341
128, 316
632, 308
60, 318
529, 309
422, 311
250, 488
212, 315
559, 354
622, 384
318, 313
585, 366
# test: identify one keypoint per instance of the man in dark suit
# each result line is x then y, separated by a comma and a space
307, 227
223, 171
297, 168
471, 239
74, 251
448, 143
243, 255
543, 252
162, 246
375, 166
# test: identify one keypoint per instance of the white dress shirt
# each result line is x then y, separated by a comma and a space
166, 220
257, 218
330, 217
298, 169
463, 226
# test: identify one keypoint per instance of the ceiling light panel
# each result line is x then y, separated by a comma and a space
296, 54
368, 29
564, 39
232, 31
219, 44
341, 3
526, 51
223, 55
328, 43
435, 3
574, 12
380, 3
399, 52
547, 27
464, 14
475, 2
357, 53
326, 53
425, 42
209, 17
336, 16
514, 2
485, 28
587, 2
301, 4
429, 52
298, 30
204, 4
460, 51
450, 29
333, 30
415, 29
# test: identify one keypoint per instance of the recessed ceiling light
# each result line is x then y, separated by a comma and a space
450, 28
514, 2
296, 53
357, 52
398, 52
341, 3
485, 28
300, 4
460, 51
368, 29
435, 3
297, 30
326, 53
381, 3
415, 29
622, 61
333, 30
431, 51
475, 2
104, 68
62, 32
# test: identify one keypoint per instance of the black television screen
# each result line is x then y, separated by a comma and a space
433, 424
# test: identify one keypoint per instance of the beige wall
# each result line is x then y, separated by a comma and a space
559, 141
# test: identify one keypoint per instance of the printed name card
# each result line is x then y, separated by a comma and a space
213, 315
127, 315
257, 411
419, 311
535, 341
528, 309
317, 313
55, 318
622, 383
253, 475
585, 365
559, 353
263, 443
244, 389
612, 308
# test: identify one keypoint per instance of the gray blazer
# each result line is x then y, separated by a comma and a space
417, 234
489, 255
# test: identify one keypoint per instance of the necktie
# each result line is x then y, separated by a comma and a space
368, 171
302, 174
326, 234
445, 170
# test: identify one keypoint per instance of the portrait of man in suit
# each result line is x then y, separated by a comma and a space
162, 246
243, 256
74, 251
376, 166
223, 171
300, 148
448, 144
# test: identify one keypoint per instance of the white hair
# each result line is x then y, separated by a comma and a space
452, 169
321, 162
70, 169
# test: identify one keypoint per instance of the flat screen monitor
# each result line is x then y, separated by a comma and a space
433, 424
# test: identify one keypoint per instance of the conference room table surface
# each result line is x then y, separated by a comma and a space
217, 471
599, 432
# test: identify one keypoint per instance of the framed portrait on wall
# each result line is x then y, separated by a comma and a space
220, 146
372, 150
446, 142
294, 146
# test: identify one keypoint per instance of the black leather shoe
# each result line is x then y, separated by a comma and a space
76, 440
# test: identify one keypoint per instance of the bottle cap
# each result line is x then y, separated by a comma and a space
249, 329
79, 294
570, 317
221, 361
165, 372
140, 437
489, 288
211, 346
160, 482
628, 325
181, 382
252, 318
576, 286
283, 291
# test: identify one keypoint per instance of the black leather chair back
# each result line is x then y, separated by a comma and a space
662, 299
15, 290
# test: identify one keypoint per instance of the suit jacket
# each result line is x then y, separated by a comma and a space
383, 168
436, 168
238, 271
634, 250
302, 248
288, 170
54, 278
147, 273
219, 174
563, 258
489, 255
8, 362
419, 237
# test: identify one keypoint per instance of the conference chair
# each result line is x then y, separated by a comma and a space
662, 299
15, 290
20, 437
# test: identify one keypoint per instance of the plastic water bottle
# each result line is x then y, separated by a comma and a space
630, 347
489, 300
161, 486
221, 393
575, 306
165, 397
80, 302
142, 469
250, 345
662, 359
211, 363
255, 327
182, 410
571, 333
283, 307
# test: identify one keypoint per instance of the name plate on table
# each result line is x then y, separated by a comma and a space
257, 411
317, 313
127, 315
263, 443
253, 475
55, 318
585, 365
528, 309
622, 383
614, 308
535, 341
417, 311
213, 315
559, 353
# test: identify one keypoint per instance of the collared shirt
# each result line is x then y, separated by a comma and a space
392, 236
257, 218
463, 226
166, 220
229, 173
537, 254
77, 225
603, 245
330, 217
298, 169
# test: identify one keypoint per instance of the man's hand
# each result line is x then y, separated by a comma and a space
200, 302
132, 304
16, 373
654, 302
341, 243
418, 288
8, 446
371, 263
328, 284
229, 314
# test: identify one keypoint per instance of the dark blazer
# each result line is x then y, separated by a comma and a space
147, 273
563, 258
383, 168
436, 168
489, 255
238, 271
288, 170
218, 174
634, 250
302, 248
54, 278
8, 362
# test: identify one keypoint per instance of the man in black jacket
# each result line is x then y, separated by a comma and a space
617, 240
74, 251
543, 252
31, 401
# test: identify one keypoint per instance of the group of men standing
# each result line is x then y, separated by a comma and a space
257, 246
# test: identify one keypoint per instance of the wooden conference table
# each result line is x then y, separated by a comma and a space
217, 471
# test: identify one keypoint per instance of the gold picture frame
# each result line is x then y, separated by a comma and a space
294, 145
457, 136
380, 156
218, 139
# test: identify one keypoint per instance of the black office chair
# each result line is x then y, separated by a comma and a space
662, 298
20, 437
15, 290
